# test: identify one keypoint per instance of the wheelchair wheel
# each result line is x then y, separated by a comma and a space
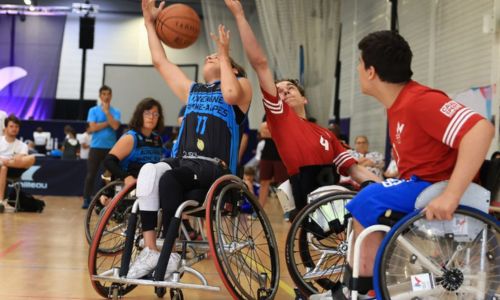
244, 249
316, 244
107, 245
457, 259
96, 209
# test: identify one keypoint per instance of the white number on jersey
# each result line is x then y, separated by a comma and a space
324, 143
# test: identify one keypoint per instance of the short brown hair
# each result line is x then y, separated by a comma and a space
12, 118
295, 82
137, 120
105, 88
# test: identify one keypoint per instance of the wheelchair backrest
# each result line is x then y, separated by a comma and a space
475, 196
325, 190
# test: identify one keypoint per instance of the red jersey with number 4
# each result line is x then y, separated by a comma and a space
300, 142
426, 127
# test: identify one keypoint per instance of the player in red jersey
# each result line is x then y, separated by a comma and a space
433, 139
303, 146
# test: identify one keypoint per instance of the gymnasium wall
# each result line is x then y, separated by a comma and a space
451, 53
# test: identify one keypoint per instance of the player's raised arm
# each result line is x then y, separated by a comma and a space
253, 50
171, 73
236, 91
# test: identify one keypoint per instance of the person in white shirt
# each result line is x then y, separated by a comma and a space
3, 116
14, 156
84, 140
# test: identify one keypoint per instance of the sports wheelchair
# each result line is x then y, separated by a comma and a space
244, 250
418, 259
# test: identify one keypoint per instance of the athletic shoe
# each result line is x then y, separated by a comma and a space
173, 265
86, 203
144, 264
342, 295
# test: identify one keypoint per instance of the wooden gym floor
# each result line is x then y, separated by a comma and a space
44, 256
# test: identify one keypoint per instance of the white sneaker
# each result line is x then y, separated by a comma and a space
324, 296
144, 264
173, 265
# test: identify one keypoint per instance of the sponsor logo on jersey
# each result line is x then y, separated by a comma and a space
200, 144
399, 131
450, 108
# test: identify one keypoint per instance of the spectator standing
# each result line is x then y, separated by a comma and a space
84, 140
103, 121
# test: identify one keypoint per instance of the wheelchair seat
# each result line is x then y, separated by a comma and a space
199, 196
475, 196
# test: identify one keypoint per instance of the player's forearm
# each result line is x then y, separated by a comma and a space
471, 153
230, 86
158, 56
360, 174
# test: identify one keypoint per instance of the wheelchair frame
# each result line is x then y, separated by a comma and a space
216, 208
323, 196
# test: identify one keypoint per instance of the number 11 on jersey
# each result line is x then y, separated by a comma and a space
201, 125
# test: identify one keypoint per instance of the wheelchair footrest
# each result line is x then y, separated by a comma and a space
110, 276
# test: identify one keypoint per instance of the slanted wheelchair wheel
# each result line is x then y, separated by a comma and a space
107, 245
457, 259
244, 248
316, 244
96, 209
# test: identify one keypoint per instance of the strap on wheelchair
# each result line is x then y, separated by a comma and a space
390, 217
361, 284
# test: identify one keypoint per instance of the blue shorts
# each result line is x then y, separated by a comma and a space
396, 194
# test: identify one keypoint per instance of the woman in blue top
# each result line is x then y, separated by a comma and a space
140, 145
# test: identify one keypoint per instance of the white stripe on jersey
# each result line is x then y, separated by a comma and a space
341, 159
275, 108
455, 125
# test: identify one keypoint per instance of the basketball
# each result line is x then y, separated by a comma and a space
178, 26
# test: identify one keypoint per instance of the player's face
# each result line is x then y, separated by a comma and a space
12, 129
212, 63
150, 118
105, 96
290, 94
363, 74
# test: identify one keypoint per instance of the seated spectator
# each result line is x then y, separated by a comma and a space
31, 147
140, 145
71, 146
3, 116
373, 161
14, 158
41, 140
84, 140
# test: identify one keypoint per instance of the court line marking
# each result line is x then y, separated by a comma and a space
10, 248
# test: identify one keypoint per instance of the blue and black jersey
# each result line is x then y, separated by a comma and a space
145, 150
210, 127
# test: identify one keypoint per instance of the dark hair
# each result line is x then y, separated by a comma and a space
105, 88
249, 171
390, 55
494, 155
295, 82
240, 71
137, 120
11, 118
68, 129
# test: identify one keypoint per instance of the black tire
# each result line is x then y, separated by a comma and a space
96, 209
243, 249
160, 291
307, 243
176, 294
453, 248
107, 245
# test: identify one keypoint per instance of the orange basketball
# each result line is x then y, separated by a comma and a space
178, 26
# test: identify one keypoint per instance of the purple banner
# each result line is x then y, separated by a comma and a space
30, 52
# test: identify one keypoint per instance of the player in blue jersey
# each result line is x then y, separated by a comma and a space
140, 145
208, 141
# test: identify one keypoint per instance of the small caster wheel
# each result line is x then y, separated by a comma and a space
176, 294
160, 291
